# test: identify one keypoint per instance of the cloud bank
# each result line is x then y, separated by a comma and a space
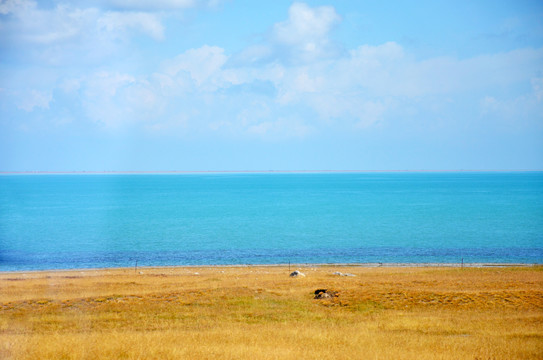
296, 82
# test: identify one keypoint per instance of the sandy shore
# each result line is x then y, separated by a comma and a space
293, 266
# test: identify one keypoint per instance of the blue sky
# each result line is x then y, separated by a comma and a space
270, 85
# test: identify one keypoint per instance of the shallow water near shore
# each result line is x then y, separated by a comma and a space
95, 221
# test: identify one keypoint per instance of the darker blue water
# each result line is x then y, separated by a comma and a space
89, 221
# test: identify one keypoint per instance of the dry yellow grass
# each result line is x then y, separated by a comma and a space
261, 313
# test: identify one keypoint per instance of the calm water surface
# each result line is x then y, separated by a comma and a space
88, 221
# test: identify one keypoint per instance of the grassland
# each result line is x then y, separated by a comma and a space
262, 313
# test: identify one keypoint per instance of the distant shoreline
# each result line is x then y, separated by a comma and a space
293, 266
165, 172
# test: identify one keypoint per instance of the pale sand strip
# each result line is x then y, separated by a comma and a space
292, 266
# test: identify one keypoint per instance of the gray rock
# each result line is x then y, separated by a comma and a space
297, 273
342, 274
325, 294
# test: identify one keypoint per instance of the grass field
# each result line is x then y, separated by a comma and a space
262, 313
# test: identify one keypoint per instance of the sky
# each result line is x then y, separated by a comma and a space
190, 85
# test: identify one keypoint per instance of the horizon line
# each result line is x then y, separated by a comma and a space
113, 172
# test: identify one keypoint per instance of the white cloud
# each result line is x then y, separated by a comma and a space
105, 84
292, 84
160, 5
141, 95
151, 5
39, 26
15, 6
66, 24
119, 22
369, 113
163, 83
375, 55
303, 38
32, 99
386, 70
305, 83
70, 85
253, 54
515, 111
358, 90
306, 27
203, 64
446, 75
298, 82
283, 127
537, 85
103, 98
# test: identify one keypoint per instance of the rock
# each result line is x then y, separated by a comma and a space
325, 294
342, 274
297, 273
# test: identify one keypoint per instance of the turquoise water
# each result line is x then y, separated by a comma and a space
88, 221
